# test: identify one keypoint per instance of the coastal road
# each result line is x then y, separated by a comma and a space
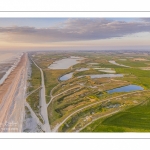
46, 125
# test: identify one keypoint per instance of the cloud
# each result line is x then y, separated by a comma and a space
145, 19
74, 30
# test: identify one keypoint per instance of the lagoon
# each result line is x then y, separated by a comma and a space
114, 63
66, 76
82, 69
69, 76
105, 75
65, 63
127, 88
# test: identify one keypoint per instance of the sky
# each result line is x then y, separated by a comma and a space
27, 34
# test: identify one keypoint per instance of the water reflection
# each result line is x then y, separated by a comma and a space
127, 88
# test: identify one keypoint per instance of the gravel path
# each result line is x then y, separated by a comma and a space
46, 126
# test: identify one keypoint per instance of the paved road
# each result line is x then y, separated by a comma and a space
46, 126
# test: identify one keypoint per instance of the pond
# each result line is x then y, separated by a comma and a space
127, 88
65, 63
69, 76
105, 75
82, 69
66, 76
108, 71
93, 63
114, 63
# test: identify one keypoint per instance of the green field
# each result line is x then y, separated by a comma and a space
35, 83
132, 63
35, 80
71, 95
136, 76
87, 72
134, 119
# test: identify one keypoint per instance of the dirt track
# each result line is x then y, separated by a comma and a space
46, 125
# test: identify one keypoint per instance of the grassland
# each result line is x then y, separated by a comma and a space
51, 80
35, 80
133, 119
35, 83
79, 96
87, 72
76, 93
50, 76
80, 119
132, 63
136, 76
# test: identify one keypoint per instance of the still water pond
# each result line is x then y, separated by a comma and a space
127, 88
105, 75
114, 63
82, 69
69, 76
66, 76
65, 63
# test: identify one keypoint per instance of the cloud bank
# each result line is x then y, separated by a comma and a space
74, 30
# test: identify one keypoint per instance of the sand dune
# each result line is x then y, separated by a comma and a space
11, 95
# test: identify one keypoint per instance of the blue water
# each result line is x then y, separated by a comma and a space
69, 76
66, 77
127, 88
